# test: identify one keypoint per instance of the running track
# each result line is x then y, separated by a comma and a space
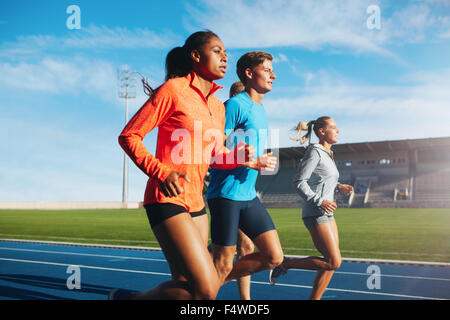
47, 271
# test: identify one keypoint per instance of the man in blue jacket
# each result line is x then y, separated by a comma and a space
231, 194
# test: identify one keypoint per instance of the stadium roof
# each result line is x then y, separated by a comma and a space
376, 146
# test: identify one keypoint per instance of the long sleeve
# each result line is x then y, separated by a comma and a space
304, 172
154, 112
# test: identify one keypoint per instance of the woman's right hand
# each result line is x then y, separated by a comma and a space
328, 206
170, 187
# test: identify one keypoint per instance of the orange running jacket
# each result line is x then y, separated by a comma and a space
190, 134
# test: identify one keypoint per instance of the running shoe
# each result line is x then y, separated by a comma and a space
275, 273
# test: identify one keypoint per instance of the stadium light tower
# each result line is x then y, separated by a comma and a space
126, 90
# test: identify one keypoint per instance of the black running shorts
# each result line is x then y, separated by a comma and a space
158, 212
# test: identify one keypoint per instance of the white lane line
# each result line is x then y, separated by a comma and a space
164, 260
82, 254
350, 260
376, 252
75, 238
86, 267
80, 244
354, 291
381, 275
286, 248
256, 282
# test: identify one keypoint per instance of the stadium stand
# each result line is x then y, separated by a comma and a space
399, 173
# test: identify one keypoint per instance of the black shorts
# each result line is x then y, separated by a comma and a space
158, 212
227, 216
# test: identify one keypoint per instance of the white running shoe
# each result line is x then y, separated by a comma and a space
275, 273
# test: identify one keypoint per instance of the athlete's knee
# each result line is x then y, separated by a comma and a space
277, 259
273, 259
245, 248
333, 262
223, 267
205, 292
336, 263
223, 260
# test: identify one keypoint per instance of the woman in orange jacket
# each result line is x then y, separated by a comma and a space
190, 121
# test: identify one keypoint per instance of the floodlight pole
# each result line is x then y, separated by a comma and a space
125, 163
127, 80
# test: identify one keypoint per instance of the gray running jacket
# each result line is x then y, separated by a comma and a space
316, 180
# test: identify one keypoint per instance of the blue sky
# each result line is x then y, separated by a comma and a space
58, 87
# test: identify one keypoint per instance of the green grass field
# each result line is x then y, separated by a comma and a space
399, 234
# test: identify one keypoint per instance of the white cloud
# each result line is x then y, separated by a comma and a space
308, 24
445, 35
316, 25
444, 32
280, 58
422, 104
62, 76
409, 25
58, 65
439, 2
119, 37
92, 37
70, 76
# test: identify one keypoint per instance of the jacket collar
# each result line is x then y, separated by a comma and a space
195, 84
320, 147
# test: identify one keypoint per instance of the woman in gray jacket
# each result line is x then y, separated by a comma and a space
316, 182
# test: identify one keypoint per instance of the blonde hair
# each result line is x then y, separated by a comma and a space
309, 126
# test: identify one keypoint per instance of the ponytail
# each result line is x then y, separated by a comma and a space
303, 126
178, 63
148, 90
309, 127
